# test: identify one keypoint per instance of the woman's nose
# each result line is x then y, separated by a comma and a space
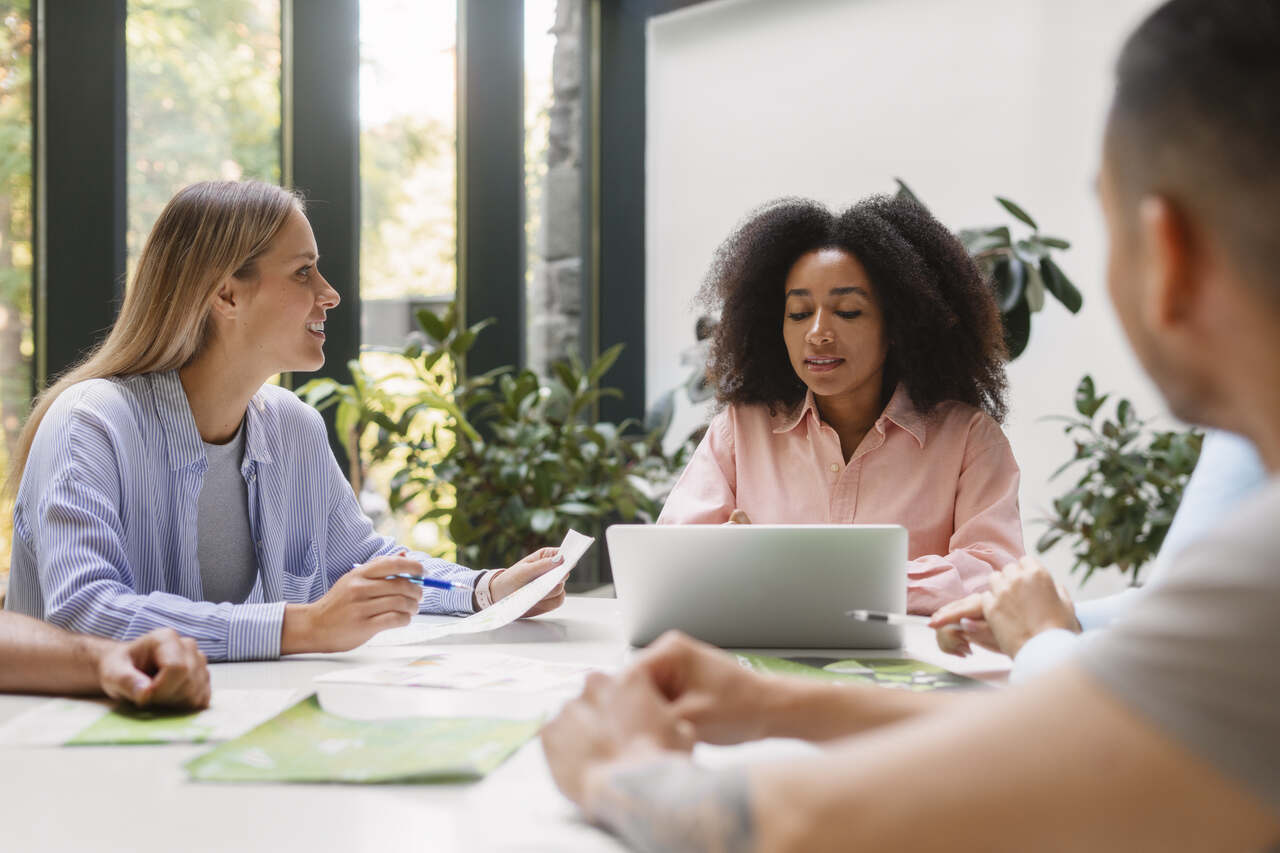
819, 331
329, 298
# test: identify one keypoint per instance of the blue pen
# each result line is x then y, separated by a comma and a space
430, 582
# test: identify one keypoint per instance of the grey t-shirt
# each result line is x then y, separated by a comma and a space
228, 564
1199, 655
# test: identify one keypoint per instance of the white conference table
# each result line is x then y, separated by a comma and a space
137, 798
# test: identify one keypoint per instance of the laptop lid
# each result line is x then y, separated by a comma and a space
760, 585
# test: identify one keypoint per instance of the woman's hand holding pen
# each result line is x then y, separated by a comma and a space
363, 602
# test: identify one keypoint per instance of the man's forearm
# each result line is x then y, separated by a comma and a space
1055, 765
36, 657
820, 711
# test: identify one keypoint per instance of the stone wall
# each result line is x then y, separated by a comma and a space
555, 293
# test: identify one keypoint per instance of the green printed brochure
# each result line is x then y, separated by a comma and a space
126, 725
899, 673
306, 744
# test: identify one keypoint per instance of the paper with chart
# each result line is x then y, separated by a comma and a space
503, 612
307, 744
468, 672
89, 722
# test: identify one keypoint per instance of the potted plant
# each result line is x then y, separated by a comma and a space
1131, 480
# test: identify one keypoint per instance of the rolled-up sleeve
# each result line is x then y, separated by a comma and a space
988, 533
706, 490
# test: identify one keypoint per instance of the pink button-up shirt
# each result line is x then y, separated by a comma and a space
949, 477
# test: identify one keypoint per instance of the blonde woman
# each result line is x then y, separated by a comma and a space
164, 484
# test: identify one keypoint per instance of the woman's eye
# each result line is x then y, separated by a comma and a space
798, 315
305, 271
848, 315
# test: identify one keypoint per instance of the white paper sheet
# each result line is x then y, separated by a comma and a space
230, 714
503, 612
468, 672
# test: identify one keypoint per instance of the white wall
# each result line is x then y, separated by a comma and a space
964, 99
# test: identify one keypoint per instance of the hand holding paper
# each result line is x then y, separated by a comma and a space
537, 564
526, 600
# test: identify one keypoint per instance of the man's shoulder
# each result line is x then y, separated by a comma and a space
1247, 542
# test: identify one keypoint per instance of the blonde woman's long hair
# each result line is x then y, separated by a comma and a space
207, 232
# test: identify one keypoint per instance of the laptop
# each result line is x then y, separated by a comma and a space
774, 586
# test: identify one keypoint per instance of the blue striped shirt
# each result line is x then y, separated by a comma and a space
105, 523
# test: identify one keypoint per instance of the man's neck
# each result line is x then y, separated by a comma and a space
1248, 396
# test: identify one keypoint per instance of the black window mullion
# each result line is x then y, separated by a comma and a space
491, 264
323, 130
79, 169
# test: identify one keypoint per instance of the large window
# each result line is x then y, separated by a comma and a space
15, 235
408, 104
203, 99
408, 206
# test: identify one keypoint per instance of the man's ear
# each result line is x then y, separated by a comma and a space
1170, 285
226, 299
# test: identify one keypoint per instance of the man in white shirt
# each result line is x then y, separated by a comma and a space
1036, 617
1163, 732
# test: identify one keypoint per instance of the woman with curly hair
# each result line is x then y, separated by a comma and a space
860, 362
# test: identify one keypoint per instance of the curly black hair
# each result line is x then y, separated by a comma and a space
946, 339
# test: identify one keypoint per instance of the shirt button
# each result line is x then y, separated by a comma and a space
834, 467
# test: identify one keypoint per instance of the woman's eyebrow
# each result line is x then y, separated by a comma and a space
835, 291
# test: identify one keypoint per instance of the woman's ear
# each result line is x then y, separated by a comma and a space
226, 299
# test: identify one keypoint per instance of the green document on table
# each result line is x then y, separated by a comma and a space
899, 673
126, 725
306, 744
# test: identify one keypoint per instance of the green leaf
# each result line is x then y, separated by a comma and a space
1017, 329
1048, 540
658, 419
602, 365
432, 325
1086, 400
1034, 290
540, 520
1057, 283
1018, 212
1055, 242
1010, 278
905, 191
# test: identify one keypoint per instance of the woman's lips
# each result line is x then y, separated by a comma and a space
822, 365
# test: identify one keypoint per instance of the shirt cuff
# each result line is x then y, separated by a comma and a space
1101, 612
253, 632
1042, 653
451, 601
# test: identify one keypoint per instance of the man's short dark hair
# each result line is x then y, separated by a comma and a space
1196, 118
